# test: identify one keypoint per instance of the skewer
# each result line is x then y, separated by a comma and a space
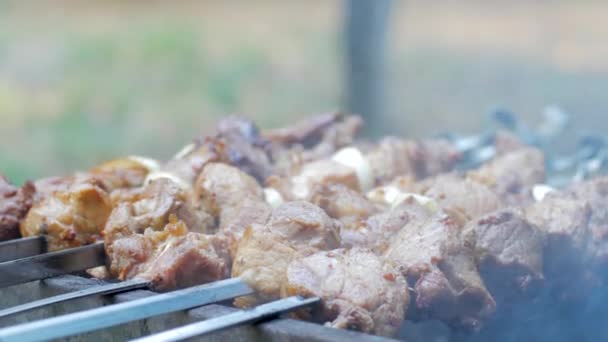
48, 265
22, 248
95, 290
112, 315
260, 313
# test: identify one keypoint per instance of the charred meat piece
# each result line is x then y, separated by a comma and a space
509, 253
236, 142
433, 255
170, 258
457, 194
14, 205
70, 218
245, 148
264, 251
358, 289
311, 139
316, 130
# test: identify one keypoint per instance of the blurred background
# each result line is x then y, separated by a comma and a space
82, 82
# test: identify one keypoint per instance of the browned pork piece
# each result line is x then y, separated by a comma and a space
151, 207
300, 183
394, 157
440, 264
14, 205
348, 206
245, 148
265, 251
565, 222
595, 192
69, 218
221, 189
129, 172
457, 194
358, 289
170, 258
237, 142
513, 174
366, 222
232, 197
314, 138
509, 253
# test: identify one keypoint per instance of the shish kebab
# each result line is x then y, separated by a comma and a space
475, 150
81, 258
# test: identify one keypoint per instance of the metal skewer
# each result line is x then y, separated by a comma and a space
22, 248
48, 265
257, 314
107, 316
105, 289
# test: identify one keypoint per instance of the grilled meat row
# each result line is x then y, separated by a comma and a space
381, 232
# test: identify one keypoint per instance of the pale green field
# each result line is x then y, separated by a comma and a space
81, 83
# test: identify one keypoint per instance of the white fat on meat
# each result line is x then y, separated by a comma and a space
393, 196
352, 157
539, 191
160, 174
150, 164
273, 197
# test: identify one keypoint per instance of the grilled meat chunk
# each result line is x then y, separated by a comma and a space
358, 289
595, 192
221, 189
245, 148
14, 205
343, 203
457, 194
70, 218
129, 172
434, 256
565, 222
170, 258
509, 253
151, 207
513, 174
300, 184
264, 251
394, 157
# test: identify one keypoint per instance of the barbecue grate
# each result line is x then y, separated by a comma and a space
276, 329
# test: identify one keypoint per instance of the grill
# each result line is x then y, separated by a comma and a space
91, 314
271, 328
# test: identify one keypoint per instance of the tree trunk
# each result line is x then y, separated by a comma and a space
365, 27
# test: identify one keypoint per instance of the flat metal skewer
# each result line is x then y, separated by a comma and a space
22, 248
104, 289
111, 315
48, 265
260, 313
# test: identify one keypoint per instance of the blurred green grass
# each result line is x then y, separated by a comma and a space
147, 91
106, 80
